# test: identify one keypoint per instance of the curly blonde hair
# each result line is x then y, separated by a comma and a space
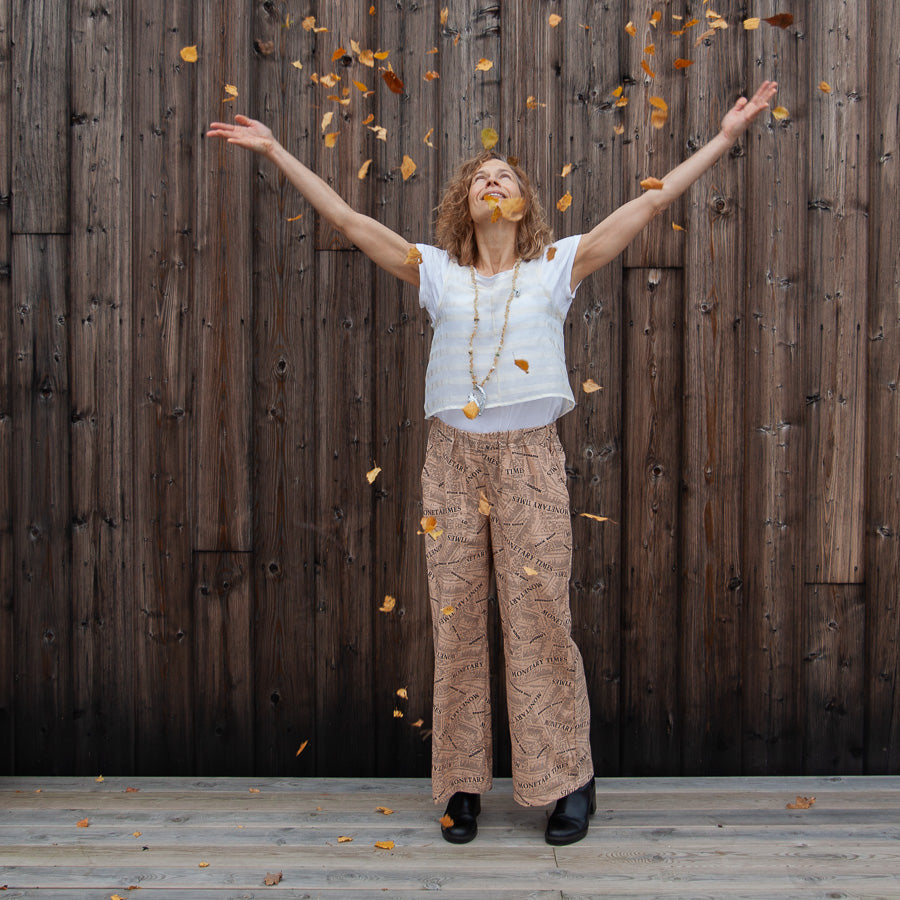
455, 230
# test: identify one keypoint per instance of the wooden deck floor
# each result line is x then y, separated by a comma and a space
215, 838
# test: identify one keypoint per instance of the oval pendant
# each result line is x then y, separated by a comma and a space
478, 397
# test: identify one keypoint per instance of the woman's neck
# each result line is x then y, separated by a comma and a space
496, 249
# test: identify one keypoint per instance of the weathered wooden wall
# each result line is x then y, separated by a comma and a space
194, 382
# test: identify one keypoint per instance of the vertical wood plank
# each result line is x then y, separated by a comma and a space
162, 264
592, 434
7, 469
774, 495
40, 116
344, 600
100, 344
286, 303
651, 730
222, 285
223, 682
42, 659
713, 426
403, 639
832, 681
835, 319
650, 150
883, 400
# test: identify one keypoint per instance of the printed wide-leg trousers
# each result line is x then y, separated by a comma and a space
502, 497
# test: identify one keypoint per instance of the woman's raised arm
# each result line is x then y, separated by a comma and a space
383, 246
608, 239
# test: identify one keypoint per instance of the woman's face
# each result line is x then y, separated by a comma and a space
493, 178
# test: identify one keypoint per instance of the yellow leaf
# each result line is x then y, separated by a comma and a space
413, 256
402, 692
483, 65
384, 810
407, 167
780, 113
380, 132
652, 184
294, 218
824, 87
522, 364
554, 20
337, 54
418, 723
326, 120
231, 90
654, 19
676, 227
253, 790
84, 823
331, 139
309, 23
427, 136
530, 572
721, 24
470, 409
302, 748
136, 833
659, 103
618, 129
658, 118
590, 386
448, 610
512, 208
595, 518
752, 23
343, 839
565, 170
384, 845
203, 865
622, 101
99, 779
189, 54
631, 29
398, 713
484, 506
429, 526
444, 13
364, 169
367, 58
564, 202
489, 138
618, 91
382, 54
388, 604
532, 102
330, 80
360, 86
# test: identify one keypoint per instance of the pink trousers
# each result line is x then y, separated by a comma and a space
501, 499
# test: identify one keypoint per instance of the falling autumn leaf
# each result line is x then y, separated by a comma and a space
554, 20
380, 132
682, 63
331, 139
398, 713
425, 140
402, 692
302, 748
448, 610
622, 101
782, 20
272, 878
367, 58
429, 526
654, 19
372, 474
384, 810
801, 803
522, 364
532, 102
529, 571
360, 86
489, 138
407, 167
392, 81
780, 113
294, 218
551, 252
203, 865
658, 118
676, 227
136, 833
338, 54
752, 23
384, 845
651, 184
631, 29
430, 76
590, 386
618, 91
413, 257
565, 170
483, 65
99, 779
824, 87
253, 790
470, 409
595, 518
364, 169
297, 64
388, 604
484, 506
444, 13
418, 723
431, 51
564, 202
512, 208
618, 129
344, 839
189, 54
326, 120
647, 69
650, 49
370, 117
84, 823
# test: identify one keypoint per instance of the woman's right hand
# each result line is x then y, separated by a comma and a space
245, 132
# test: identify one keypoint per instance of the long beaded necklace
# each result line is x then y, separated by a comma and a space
477, 398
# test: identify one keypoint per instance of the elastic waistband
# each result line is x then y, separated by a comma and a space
496, 439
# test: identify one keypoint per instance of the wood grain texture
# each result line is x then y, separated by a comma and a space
882, 548
834, 323
42, 657
285, 376
222, 281
652, 433
100, 339
714, 330
592, 434
162, 385
403, 638
775, 411
833, 653
40, 117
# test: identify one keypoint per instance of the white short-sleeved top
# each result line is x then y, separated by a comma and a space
534, 335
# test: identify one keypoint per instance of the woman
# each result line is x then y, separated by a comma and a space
497, 291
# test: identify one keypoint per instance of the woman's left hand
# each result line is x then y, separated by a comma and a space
745, 111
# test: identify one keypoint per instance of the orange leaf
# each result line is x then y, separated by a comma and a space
676, 227
368, 118
407, 167
84, 823
801, 803
294, 218
364, 169
782, 20
444, 13
382, 54
272, 878
512, 208
337, 54
301, 748
392, 81
659, 103
595, 518
651, 184
448, 610
189, 54
371, 13
430, 76
564, 202
388, 605
522, 364
683, 63
590, 386
658, 118
343, 839
554, 20
384, 810
483, 65
402, 692
565, 170
418, 723
372, 474
427, 136
360, 86
413, 257
429, 526
446, 821
650, 49
253, 790
309, 23
384, 845
631, 29
331, 139
654, 19
551, 252
204, 865
131, 790
618, 129
824, 87
647, 69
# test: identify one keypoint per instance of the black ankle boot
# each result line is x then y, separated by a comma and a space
569, 822
463, 809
